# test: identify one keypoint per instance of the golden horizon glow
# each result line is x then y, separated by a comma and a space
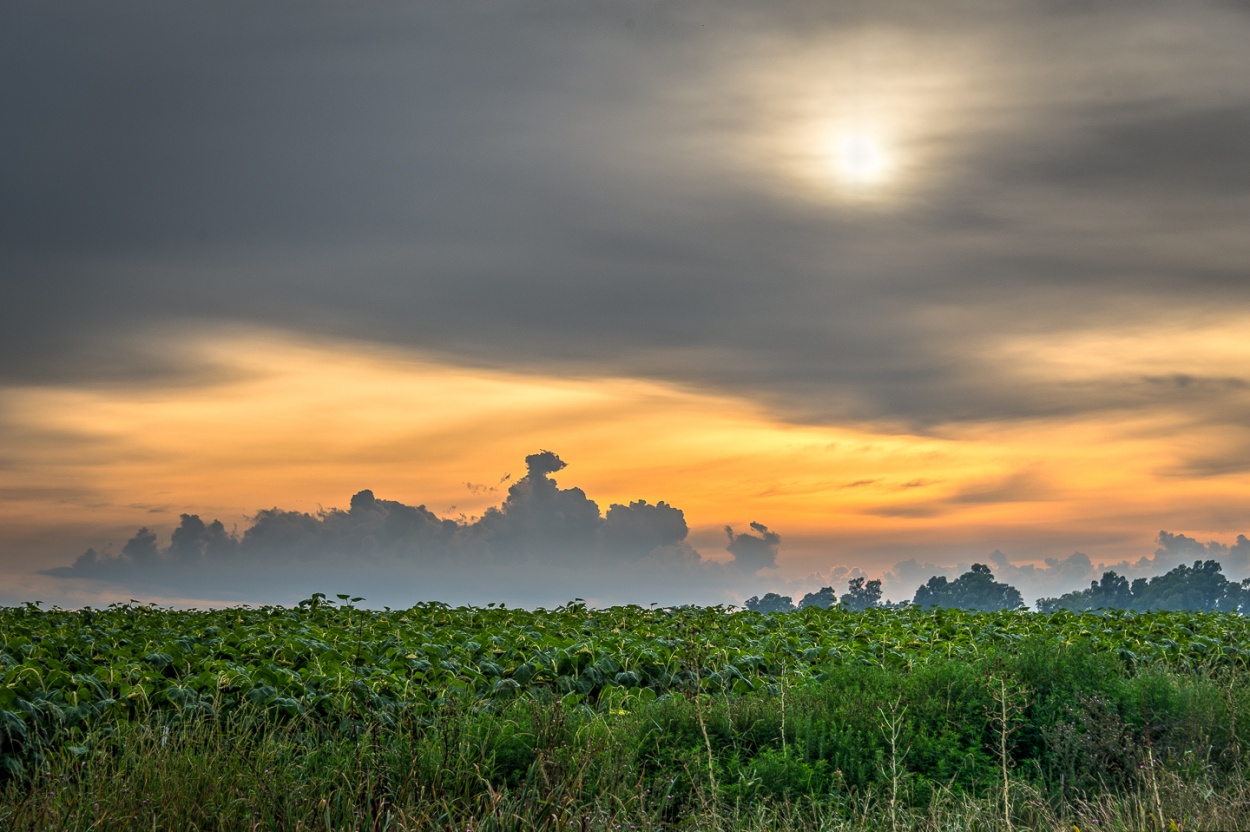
302, 425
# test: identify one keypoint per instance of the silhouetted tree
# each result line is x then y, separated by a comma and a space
861, 596
1199, 587
772, 602
976, 589
824, 598
1112, 592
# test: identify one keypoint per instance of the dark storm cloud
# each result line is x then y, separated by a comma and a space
543, 545
559, 191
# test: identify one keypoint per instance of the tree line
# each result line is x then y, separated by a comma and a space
1201, 587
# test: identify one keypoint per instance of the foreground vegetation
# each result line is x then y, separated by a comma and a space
327, 716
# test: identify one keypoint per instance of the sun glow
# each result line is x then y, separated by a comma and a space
860, 159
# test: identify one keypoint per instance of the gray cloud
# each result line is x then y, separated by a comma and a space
543, 545
559, 191
1154, 154
753, 552
1229, 460
1019, 487
1176, 549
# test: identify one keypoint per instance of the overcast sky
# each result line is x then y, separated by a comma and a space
896, 280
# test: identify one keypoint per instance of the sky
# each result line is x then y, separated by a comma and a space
633, 302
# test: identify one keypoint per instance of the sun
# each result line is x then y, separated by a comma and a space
860, 159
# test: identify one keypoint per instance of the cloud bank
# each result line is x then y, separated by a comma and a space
543, 545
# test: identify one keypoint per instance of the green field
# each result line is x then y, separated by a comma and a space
331, 716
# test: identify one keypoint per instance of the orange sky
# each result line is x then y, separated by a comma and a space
302, 424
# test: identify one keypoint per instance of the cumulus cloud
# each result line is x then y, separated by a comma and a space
639, 530
1177, 549
753, 552
542, 544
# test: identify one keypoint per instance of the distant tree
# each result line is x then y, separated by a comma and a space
772, 602
976, 589
824, 598
861, 596
1200, 587
1112, 592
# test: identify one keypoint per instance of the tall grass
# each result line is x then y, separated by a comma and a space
1042, 739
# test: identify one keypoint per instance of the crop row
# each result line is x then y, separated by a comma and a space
64, 671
